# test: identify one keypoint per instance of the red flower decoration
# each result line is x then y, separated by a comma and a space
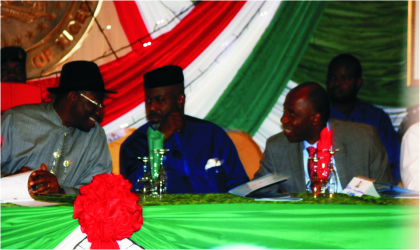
107, 211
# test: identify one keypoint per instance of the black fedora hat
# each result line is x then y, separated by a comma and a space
80, 76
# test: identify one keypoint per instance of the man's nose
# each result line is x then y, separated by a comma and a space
153, 106
283, 119
335, 82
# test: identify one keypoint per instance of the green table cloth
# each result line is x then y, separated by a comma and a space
271, 225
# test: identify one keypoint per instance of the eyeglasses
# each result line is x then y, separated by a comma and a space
99, 105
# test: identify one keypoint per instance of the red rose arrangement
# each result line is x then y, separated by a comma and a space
107, 211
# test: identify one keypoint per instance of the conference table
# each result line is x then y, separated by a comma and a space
226, 221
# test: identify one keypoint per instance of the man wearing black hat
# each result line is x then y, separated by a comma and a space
63, 137
192, 142
13, 64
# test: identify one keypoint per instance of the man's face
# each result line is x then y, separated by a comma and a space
13, 72
342, 84
161, 101
85, 112
297, 119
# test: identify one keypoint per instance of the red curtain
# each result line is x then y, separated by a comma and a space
132, 22
180, 46
45, 83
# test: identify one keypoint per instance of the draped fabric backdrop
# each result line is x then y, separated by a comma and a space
377, 36
260, 81
238, 57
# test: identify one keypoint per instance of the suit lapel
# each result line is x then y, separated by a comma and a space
296, 167
341, 162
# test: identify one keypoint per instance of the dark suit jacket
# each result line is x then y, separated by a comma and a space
361, 153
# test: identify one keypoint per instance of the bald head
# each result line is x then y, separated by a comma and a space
316, 97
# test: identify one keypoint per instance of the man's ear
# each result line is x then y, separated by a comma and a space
359, 83
180, 100
315, 119
72, 97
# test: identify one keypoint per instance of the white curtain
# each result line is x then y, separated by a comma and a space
157, 14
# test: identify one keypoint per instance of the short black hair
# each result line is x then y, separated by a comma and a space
318, 98
349, 59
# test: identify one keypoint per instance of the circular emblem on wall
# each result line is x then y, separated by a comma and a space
49, 31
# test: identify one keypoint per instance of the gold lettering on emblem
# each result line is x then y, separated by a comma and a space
62, 41
74, 28
41, 59
81, 16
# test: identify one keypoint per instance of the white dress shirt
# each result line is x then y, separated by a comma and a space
410, 158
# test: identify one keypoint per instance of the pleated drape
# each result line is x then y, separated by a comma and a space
255, 89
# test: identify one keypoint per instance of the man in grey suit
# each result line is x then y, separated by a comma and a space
306, 114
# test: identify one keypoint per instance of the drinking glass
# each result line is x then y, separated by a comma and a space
159, 182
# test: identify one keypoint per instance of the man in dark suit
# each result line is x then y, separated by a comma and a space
306, 113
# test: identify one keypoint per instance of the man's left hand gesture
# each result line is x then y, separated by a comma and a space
44, 182
173, 121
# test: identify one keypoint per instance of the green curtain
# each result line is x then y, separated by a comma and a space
207, 226
376, 33
259, 82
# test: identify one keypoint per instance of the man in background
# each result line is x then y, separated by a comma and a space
192, 142
344, 80
13, 64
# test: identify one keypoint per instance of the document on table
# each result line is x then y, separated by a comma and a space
14, 189
385, 189
258, 183
247, 189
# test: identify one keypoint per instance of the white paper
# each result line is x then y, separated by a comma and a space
258, 183
359, 187
14, 189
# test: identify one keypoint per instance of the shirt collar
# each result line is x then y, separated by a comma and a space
56, 119
306, 144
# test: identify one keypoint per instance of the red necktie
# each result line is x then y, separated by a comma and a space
311, 163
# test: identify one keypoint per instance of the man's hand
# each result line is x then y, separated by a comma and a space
43, 182
173, 121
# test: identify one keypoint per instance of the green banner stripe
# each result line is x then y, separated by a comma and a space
255, 89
